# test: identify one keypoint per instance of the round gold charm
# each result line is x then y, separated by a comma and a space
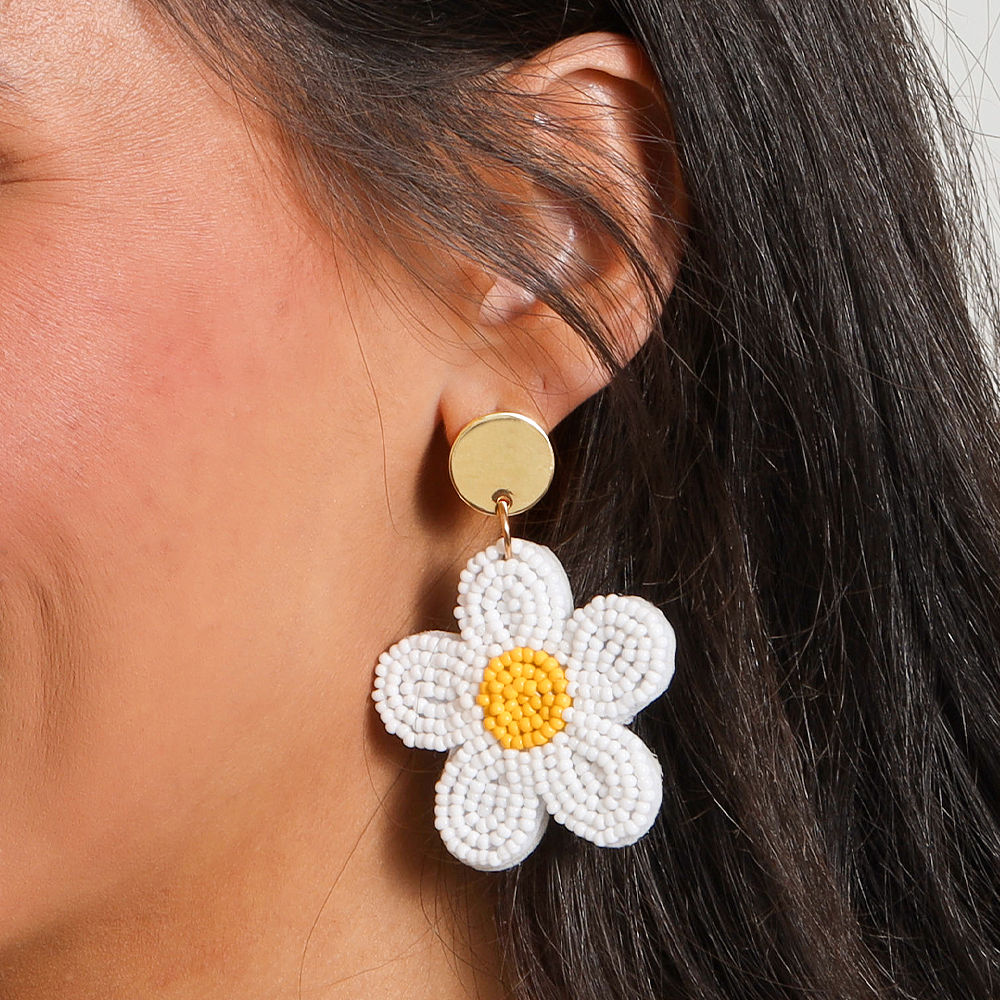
501, 453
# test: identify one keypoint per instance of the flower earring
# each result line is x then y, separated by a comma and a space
531, 698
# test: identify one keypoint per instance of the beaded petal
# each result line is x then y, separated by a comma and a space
531, 700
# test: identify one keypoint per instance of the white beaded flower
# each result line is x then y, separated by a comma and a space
531, 701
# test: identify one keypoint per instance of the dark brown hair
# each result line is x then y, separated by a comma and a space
801, 468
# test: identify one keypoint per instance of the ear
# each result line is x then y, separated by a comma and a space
598, 109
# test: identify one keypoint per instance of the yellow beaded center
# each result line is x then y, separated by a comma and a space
523, 695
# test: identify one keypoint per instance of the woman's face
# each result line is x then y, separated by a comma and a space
206, 528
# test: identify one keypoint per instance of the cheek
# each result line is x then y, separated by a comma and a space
99, 320
194, 506
131, 373
164, 405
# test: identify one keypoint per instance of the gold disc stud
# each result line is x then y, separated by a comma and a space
501, 453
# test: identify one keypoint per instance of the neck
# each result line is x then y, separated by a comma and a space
319, 895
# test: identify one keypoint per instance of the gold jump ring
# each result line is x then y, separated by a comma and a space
503, 502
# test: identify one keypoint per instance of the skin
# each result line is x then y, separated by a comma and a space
222, 494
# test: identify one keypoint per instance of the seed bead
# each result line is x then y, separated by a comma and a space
523, 695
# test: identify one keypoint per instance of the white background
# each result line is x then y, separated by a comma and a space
966, 37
